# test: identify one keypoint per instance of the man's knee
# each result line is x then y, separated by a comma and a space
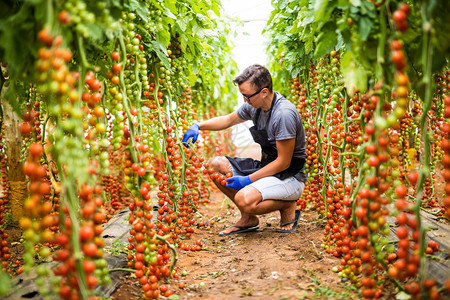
245, 201
220, 164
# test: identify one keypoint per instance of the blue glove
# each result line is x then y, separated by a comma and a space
238, 182
192, 132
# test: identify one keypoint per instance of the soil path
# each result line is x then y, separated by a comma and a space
257, 265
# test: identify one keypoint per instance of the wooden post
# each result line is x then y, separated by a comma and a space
17, 180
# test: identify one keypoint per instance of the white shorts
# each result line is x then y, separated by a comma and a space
272, 188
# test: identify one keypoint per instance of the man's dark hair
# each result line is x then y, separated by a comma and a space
259, 76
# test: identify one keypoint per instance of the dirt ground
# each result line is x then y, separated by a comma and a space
258, 265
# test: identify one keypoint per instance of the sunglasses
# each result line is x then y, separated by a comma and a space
254, 94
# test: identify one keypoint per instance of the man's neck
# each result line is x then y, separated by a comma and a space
268, 102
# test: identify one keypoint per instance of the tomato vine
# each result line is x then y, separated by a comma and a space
362, 76
113, 85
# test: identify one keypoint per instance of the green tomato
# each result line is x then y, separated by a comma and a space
40, 281
374, 238
385, 231
384, 241
42, 270
104, 156
380, 256
90, 18
119, 107
81, 6
131, 34
378, 248
380, 122
390, 248
392, 120
105, 164
54, 280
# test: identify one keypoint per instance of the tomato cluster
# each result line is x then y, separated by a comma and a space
372, 156
400, 17
40, 220
446, 159
4, 250
148, 132
109, 120
382, 165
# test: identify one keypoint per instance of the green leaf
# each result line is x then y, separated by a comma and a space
326, 42
183, 22
206, 33
116, 3
364, 27
170, 14
340, 42
175, 297
308, 18
215, 7
283, 3
347, 39
296, 71
192, 79
51, 138
355, 76
320, 7
160, 52
140, 8
342, 4
95, 32
309, 43
191, 46
171, 5
163, 37
18, 33
300, 50
368, 8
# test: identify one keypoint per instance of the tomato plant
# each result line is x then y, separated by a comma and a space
105, 91
375, 125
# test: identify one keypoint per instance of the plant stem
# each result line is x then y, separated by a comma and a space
49, 16
325, 169
381, 45
427, 56
2, 82
172, 248
43, 143
80, 43
125, 98
361, 177
73, 206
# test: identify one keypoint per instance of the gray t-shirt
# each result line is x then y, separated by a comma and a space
285, 123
